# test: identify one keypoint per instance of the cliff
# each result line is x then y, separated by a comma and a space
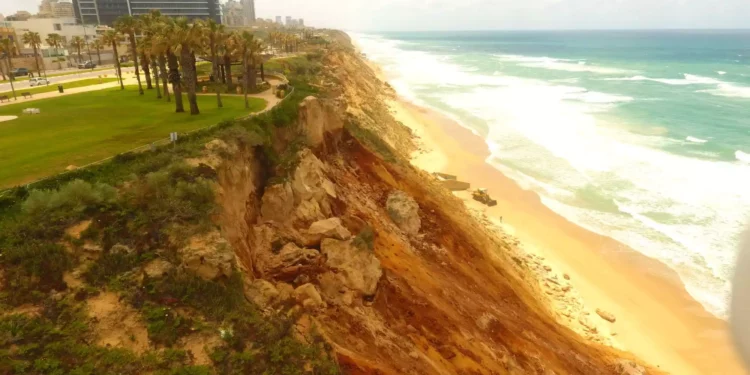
299, 241
393, 270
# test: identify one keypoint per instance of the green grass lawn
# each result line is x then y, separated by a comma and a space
26, 78
66, 85
82, 128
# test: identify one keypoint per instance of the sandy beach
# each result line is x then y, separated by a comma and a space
657, 320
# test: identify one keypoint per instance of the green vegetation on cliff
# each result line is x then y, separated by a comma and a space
102, 245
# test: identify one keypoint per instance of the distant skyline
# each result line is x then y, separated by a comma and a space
408, 15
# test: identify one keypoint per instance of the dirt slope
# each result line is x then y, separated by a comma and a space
452, 298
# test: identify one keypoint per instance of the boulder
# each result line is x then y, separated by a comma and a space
626, 367
309, 211
286, 292
606, 316
277, 203
158, 268
261, 292
333, 290
309, 181
290, 256
307, 295
208, 257
404, 211
329, 228
317, 119
360, 269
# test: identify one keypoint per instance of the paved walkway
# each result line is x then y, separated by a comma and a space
130, 79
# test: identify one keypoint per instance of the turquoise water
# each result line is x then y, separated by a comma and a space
643, 136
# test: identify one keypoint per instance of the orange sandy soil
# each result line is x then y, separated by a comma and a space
657, 319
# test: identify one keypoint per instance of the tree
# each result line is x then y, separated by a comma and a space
98, 47
250, 48
188, 36
231, 46
112, 38
216, 35
150, 25
35, 41
157, 32
56, 41
7, 48
77, 42
143, 53
127, 25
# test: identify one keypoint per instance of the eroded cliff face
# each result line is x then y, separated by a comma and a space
388, 265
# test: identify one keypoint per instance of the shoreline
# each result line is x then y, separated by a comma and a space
656, 319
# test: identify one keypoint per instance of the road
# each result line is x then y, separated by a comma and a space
20, 85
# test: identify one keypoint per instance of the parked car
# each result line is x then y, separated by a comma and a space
87, 65
19, 72
38, 81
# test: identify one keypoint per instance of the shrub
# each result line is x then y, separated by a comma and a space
74, 198
165, 326
365, 240
32, 269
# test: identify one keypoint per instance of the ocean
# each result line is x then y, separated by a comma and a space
643, 136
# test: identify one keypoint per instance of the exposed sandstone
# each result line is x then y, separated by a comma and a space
404, 211
317, 119
260, 292
359, 268
329, 228
289, 256
208, 257
308, 296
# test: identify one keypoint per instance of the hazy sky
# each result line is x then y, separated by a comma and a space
496, 14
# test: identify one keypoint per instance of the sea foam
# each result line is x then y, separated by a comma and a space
552, 139
695, 140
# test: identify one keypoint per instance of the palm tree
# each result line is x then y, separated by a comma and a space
216, 35
8, 48
231, 46
35, 41
151, 26
167, 39
250, 48
54, 40
188, 37
143, 53
77, 42
127, 25
111, 38
98, 45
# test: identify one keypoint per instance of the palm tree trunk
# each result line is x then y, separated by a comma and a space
223, 74
98, 55
155, 69
253, 73
163, 70
262, 73
174, 78
215, 69
36, 60
228, 72
146, 71
117, 65
189, 76
134, 51
245, 78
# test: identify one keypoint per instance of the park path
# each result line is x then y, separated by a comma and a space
130, 79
